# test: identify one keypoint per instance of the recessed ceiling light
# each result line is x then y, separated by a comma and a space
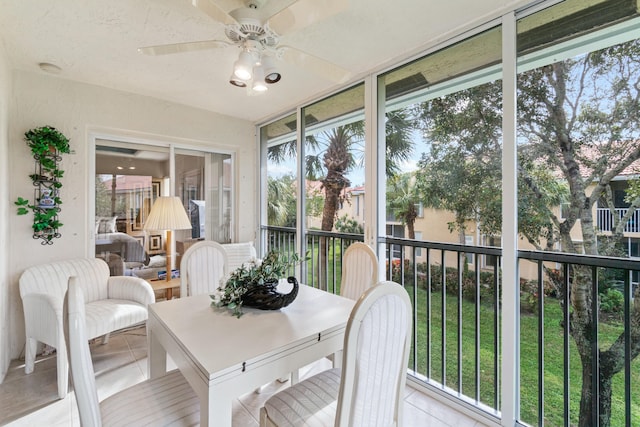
119, 167
50, 68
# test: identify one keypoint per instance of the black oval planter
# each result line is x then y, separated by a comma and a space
267, 297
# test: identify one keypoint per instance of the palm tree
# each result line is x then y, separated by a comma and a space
280, 199
333, 153
335, 156
403, 200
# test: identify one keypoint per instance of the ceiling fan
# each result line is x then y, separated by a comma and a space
256, 29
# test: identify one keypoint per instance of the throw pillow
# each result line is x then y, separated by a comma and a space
157, 261
107, 224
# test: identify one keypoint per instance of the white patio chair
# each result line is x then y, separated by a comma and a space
359, 273
359, 270
368, 389
239, 254
168, 400
201, 268
113, 302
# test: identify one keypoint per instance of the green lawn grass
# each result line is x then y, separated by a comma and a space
553, 362
429, 344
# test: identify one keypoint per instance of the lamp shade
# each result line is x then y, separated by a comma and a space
167, 213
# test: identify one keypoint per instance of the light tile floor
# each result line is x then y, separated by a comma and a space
31, 400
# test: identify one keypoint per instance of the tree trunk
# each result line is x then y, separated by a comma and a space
610, 361
332, 198
412, 235
586, 415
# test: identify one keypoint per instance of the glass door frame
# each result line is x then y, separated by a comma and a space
95, 135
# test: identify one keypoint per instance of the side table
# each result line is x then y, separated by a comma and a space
166, 286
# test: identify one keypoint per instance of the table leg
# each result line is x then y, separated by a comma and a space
337, 359
169, 293
216, 410
295, 376
157, 356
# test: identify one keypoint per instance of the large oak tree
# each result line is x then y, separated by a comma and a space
579, 129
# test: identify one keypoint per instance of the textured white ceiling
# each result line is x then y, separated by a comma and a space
96, 41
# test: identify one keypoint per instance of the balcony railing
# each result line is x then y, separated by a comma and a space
324, 250
456, 294
606, 220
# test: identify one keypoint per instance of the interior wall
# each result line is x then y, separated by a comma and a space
79, 110
5, 90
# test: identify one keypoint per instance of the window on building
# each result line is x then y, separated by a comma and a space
468, 240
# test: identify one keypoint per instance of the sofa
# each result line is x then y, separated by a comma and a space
112, 303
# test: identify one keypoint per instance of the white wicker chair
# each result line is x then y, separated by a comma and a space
359, 270
113, 303
201, 268
168, 400
239, 254
368, 390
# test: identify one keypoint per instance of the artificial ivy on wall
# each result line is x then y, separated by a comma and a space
46, 144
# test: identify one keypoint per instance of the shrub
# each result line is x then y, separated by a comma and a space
611, 301
344, 224
529, 296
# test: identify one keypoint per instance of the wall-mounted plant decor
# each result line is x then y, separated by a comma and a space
46, 144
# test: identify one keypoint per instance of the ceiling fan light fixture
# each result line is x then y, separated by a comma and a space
259, 84
271, 73
273, 77
243, 66
236, 81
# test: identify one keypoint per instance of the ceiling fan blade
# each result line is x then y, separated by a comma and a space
318, 66
272, 7
305, 12
211, 9
167, 49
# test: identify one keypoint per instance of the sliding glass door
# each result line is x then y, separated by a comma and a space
203, 183
130, 177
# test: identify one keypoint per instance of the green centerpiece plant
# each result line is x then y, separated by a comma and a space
255, 284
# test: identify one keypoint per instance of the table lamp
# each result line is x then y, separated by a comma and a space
167, 213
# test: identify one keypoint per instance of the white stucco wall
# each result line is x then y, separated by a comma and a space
77, 110
5, 90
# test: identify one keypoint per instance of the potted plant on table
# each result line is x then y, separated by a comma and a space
255, 285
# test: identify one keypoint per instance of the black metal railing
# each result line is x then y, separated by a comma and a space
456, 338
558, 276
326, 252
456, 292
323, 250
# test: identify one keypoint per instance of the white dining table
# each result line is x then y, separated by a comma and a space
223, 357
